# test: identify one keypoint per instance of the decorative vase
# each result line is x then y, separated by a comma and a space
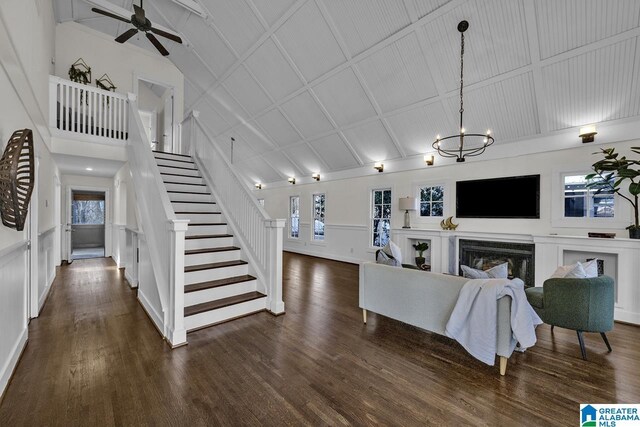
419, 261
634, 233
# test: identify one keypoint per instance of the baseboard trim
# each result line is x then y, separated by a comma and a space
152, 314
45, 295
9, 369
132, 283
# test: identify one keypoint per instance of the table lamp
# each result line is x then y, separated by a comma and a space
407, 204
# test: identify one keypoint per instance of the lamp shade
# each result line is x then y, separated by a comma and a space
407, 204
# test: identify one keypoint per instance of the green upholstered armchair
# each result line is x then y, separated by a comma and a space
585, 305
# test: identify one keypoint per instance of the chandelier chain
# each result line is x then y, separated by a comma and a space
461, 76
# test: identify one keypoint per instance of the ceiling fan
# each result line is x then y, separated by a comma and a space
140, 23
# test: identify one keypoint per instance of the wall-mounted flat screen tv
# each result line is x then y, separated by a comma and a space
510, 197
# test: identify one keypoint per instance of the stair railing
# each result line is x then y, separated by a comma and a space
258, 234
162, 230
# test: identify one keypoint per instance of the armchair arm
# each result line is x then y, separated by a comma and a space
580, 304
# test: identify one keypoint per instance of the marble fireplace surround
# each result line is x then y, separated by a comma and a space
622, 258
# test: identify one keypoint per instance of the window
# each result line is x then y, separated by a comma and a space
432, 200
87, 208
381, 216
318, 216
294, 214
583, 202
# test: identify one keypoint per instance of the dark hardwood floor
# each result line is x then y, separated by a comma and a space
94, 359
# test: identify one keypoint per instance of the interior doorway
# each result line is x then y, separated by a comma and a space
156, 107
86, 227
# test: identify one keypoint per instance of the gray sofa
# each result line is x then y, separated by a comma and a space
425, 300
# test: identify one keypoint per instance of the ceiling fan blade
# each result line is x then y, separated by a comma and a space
126, 35
166, 35
139, 13
110, 15
157, 44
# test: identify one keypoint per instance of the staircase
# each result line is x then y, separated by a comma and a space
217, 283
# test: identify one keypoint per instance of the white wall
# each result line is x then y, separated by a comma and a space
124, 63
347, 231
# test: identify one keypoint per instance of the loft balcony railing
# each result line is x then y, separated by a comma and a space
78, 110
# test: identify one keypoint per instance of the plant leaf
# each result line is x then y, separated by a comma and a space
634, 188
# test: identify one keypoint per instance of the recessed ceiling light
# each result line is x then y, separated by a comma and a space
89, 169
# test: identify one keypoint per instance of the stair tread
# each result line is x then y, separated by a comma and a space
174, 160
213, 265
207, 236
221, 303
182, 175
198, 213
211, 250
206, 223
217, 283
172, 154
187, 192
187, 201
177, 167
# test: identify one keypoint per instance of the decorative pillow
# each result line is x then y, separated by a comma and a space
393, 250
591, 268
500, 271
383, 258
577, 270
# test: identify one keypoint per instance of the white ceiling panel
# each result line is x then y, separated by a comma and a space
398, 75
191, 93
343, 97
236, 20
282, 164
278, 128
594, 87
305, 158
567, 24
417, 129
258, 170
272, 10
425, 7
372, 142
363, 23
228, 108
334, 152
64, 10
209, 45
273, 71
306, 115
255, 137
191, 66
507, 108
495, 27
246, 90
308, 40
210, 118
241, 150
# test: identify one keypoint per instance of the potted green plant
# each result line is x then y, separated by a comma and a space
420, 247
611, 172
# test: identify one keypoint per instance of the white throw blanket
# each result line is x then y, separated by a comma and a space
474, 319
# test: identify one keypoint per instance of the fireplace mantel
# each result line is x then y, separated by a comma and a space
551, 250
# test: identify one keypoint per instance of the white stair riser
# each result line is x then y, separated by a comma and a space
198, 230
189, 172
187, 187
225, 313
171, 156
217, 242
174, 163
210, 257
182, 197
215, 274
212, 294
203, 217
185, 179
194, 207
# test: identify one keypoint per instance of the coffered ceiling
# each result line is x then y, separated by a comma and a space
327, 85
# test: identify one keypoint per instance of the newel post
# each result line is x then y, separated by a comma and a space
177, 333
275, 304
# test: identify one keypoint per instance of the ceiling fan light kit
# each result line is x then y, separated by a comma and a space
443, 145
141, 23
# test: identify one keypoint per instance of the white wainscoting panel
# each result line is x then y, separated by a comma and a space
341, 243
13, 308
46, 264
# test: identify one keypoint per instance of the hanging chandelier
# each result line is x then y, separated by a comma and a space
446, 146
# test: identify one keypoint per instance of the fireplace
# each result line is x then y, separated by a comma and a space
482, 254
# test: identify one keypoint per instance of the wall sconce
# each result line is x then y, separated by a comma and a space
428, 159
378, 166
588, 133
316, 176
259, 185
292, 180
